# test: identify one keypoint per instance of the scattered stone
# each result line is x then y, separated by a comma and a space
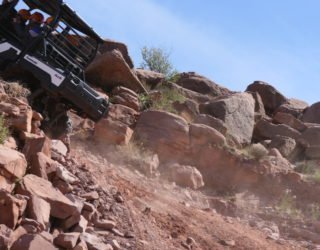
66, 176
67, 240
191, 241
34, 145
94, 243
61, 206
32, 242
59, 147
117, 232
39, 210
118, 197
115, 245
11, 209
82, 245
12, 162
91, 196
229, 243
105, 224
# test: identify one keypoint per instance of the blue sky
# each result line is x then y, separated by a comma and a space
232, 42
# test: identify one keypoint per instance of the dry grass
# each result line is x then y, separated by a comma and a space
287, 205
4, 131
15, 89
255, 151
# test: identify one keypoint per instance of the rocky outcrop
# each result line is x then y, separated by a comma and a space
200, 84
265, 129
185, 176
126, 97
110, 45
294, 107
211, 122
163, 132
237, 113
110, 70
61, 207
289, 120
312, 114
150, 78
271, 97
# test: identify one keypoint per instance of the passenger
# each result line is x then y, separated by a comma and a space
35, 22
20, 22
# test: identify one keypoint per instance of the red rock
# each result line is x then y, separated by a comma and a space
264, 129
123, 114
200, 84
294, 107
9, 109
113, 132
105, 224
61, 207
289, 120
126, 97
82, 245
188, 109
311, 136
202, 135
11, 209
91, 196
35, 145
42, 166
312, 114
6, 184
185, 176
32, 242
67, 240
211, 122
285, 145
150, 78
237, 113
271, 97
39, 210
5, 236
168, 136
59, 147
110, 70
10, 142
22, 122
12, 162
82, 225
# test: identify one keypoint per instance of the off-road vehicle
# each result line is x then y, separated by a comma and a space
57, 56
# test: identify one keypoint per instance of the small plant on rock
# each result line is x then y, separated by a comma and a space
4, 131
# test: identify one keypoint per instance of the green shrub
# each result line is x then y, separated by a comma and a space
4, 131
158, 60
168, 97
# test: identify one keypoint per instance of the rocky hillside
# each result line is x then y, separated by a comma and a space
190, 165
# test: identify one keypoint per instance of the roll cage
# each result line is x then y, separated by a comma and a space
67, 43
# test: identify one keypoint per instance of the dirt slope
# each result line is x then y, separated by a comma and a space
163, 216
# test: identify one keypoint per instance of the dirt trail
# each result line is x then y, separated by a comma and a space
163, 216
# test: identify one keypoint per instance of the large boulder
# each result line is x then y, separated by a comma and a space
13, 164
109, 45
188, 109
211, 122
32, 242
113, 132
126, 97
34, 145
61, 206
123, 114
18, 113
265, 129
202, 135
190, 94
311, 136
290, 120
11, 209
312, 114
163, 132
294, 107
110, 69
185, 176
237, 113
285, 145
150, 78
200, 84
271, 97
